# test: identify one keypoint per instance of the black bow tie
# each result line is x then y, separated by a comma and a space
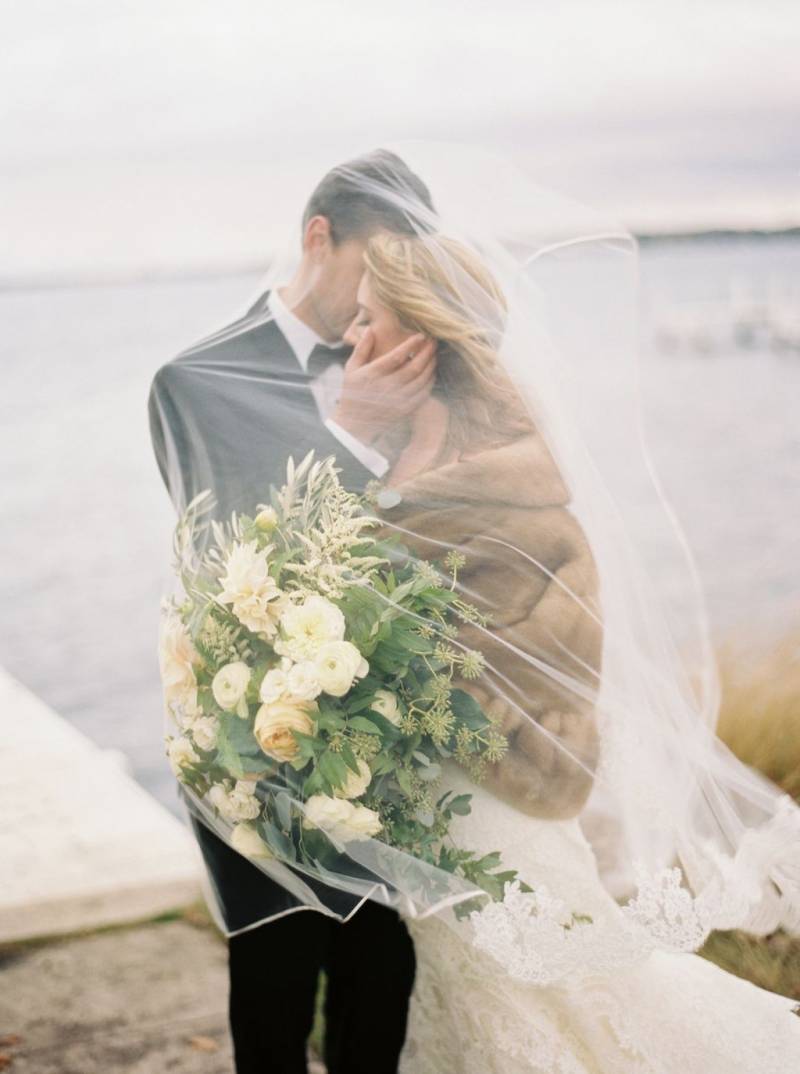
321, 357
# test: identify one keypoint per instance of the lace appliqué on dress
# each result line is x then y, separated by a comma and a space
534, 936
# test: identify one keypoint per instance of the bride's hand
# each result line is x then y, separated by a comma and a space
378, 393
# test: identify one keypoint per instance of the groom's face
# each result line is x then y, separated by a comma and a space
338, 268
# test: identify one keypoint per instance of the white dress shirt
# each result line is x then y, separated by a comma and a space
327, 387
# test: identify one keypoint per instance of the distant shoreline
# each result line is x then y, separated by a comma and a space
714, 234
178, 274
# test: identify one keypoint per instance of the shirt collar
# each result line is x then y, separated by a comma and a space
300, 337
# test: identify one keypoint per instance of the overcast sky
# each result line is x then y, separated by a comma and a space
137, 133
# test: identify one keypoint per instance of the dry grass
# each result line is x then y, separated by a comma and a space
771, 962
760, 711
760, 721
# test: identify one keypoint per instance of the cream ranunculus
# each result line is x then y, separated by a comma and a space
356, 783
340, 818
290, 682
273, 685
275, 723
204, 732
308, 626
385, 702
338, 663
247, 841
235, 801
176, 658
302, 682
229, 687
248, 586
180, 753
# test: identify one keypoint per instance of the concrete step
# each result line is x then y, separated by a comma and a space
81, 843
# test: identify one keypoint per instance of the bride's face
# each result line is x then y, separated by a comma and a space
384, 323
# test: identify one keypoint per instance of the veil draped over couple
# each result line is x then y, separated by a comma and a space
441, 730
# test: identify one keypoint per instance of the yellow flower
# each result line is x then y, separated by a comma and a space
275, 722
266, 519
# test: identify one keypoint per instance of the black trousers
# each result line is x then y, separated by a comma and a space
274, 970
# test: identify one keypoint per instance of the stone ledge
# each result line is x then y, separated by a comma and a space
81, 843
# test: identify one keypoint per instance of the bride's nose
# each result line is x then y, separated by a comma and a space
353, 333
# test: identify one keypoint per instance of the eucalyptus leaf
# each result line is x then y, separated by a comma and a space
430, 773
460, 804
283, 809
227, 756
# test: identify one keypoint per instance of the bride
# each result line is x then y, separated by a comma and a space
471, 471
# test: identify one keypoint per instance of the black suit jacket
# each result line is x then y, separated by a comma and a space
226, 415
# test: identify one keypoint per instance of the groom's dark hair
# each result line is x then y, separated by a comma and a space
376, 190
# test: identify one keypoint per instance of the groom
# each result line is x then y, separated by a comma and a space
294, 388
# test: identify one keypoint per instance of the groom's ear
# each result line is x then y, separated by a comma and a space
317, 237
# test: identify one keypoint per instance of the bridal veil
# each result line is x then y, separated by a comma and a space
519, 601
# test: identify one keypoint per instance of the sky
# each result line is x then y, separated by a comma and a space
145, 135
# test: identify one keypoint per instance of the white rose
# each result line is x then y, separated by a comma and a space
302, 683
385, 702
273, 685
308, 626
338, 663
340, 818
363, 823
251, 590
247, 841
218, 796
356, 783
180, 753
229, 687
266, 519
176, 658
244, 804
322, 811
204, 732
275, 723
235, 801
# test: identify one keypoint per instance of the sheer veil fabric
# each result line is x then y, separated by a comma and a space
560, 678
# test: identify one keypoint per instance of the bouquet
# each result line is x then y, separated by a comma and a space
309, 674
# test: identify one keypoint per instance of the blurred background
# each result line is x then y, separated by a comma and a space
140, 144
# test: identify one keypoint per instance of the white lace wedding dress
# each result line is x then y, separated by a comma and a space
662, 1013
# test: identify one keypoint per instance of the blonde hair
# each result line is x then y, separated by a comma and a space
441, 287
